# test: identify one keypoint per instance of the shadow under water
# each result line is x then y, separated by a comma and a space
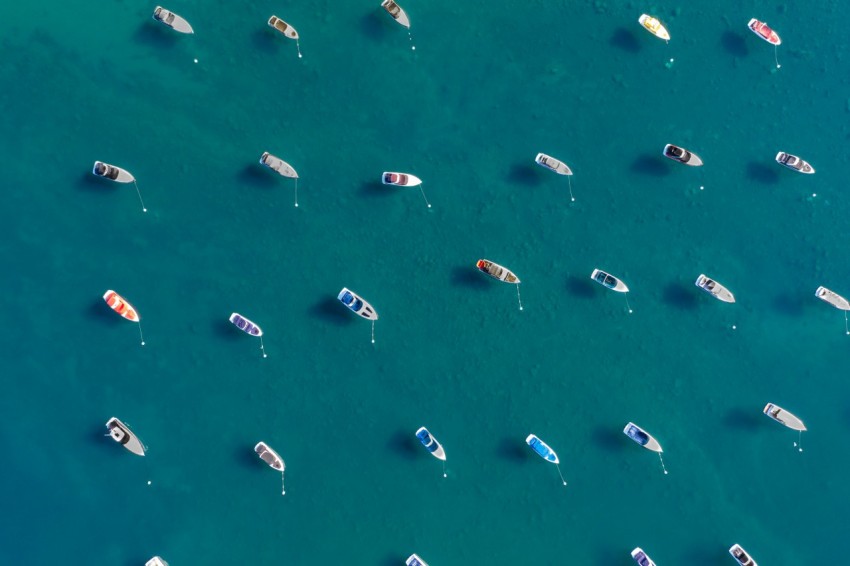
403, 443
649, 164
330, 309
679, 296
734, 44
624, 39
580, 287
525, 174
757, 171
468, 276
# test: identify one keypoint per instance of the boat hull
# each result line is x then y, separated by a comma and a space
120, 305
782, 416
794, 163
277, 164
283, 27
688, 157
269, 456
641, 437
156, 561
431, 444
641, 557
357, 304
654, 26
396, 11
111, 172
172, 20
414, 560
552, 164
741, 556
714, 289
542, 449
609, 281
400, 179
832, 298
122, 434
245, 325
764, 31
496, 271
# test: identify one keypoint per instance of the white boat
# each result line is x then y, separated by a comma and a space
172, 20
552, 164
277, 164
653, 26
112, 172
496, 271
156, 561
356, 304
400, 179
122, 434
782, 416
641, 557
741, 556
832, 298
714, 288
274, 461
283, 27
396, 12
414, 560
431, 444
681, 155
642, 437
794, 163
609, 281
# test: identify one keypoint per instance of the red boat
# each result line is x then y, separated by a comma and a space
762, 30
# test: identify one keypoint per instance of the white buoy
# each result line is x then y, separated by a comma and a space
626, 295
776, 56
196, 60
518, 298
444, 469
799, 444
410, 37
662, 463
846, 330
263, 348
558, 466
149, 482
421, 190
140, 196
570, 184
282, 488
139, 322
701, 187
373, 332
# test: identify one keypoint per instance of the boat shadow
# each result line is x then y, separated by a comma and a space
465, 276
580, 287
226, 330
525, 174
734, 44
373, 26
246, 457
677, 295
392, 560
331, 310
649, 164
761, 173
608, 439
513, 449
89, 182
402, 443
702, 555
155, 34
742, 419
789, 305
257, 175
376, 189
624, 39
265, 40
100, 311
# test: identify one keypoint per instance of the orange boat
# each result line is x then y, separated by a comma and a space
120, 305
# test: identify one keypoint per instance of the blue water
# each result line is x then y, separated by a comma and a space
487, 87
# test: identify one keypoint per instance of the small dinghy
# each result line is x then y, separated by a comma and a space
120, 305
172, 20
396, 12
274, 461
358, 305
641, 557
653, 26
431, 444
741, 556
282, 167
681, 155
117, 174
504, 274
544, 451
714, 289
287, 30
790, 420
764, 31
404, 180
835, 300
122, 434
414, 560
609, 281
558, 167
248, 327
645, 439
794, 163
156, 561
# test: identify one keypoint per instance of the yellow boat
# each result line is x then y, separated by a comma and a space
653, 26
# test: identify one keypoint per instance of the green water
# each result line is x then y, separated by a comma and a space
488, 86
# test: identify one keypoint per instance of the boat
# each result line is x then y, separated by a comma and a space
642, 437
269, 456
762, 30
609, 281
356, 304
542, 449
414, 560
681, 155
156, 561
122, 434
112, 172
396, 12
653, 26
277, 164
496, 271
400, 179
283, 27
832, 298
172, 20
429, 442
714, 288
245, 325
782, 416
641, 558
552, 164
795, 163
741, 556
120, 305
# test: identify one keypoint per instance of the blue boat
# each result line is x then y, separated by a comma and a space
429, 442
245, 325
414, 560
641, 557
542, 449
642, 437
356, 303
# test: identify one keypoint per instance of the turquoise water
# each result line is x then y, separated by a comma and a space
485, 90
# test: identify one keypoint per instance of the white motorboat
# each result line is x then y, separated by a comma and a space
112, 172
356, 304
832, 298
172, 20
782, 416
552, 164
414, 560
714, 289
396, 12
642, 437
681, 155
641, 557
609, 281
277, 164
431, 444
287, 30
741, 556
400, 179
496, 271
122, 434
794, 163
273, 459
653, 26
156, 561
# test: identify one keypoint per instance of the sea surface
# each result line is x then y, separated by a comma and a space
489, 85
